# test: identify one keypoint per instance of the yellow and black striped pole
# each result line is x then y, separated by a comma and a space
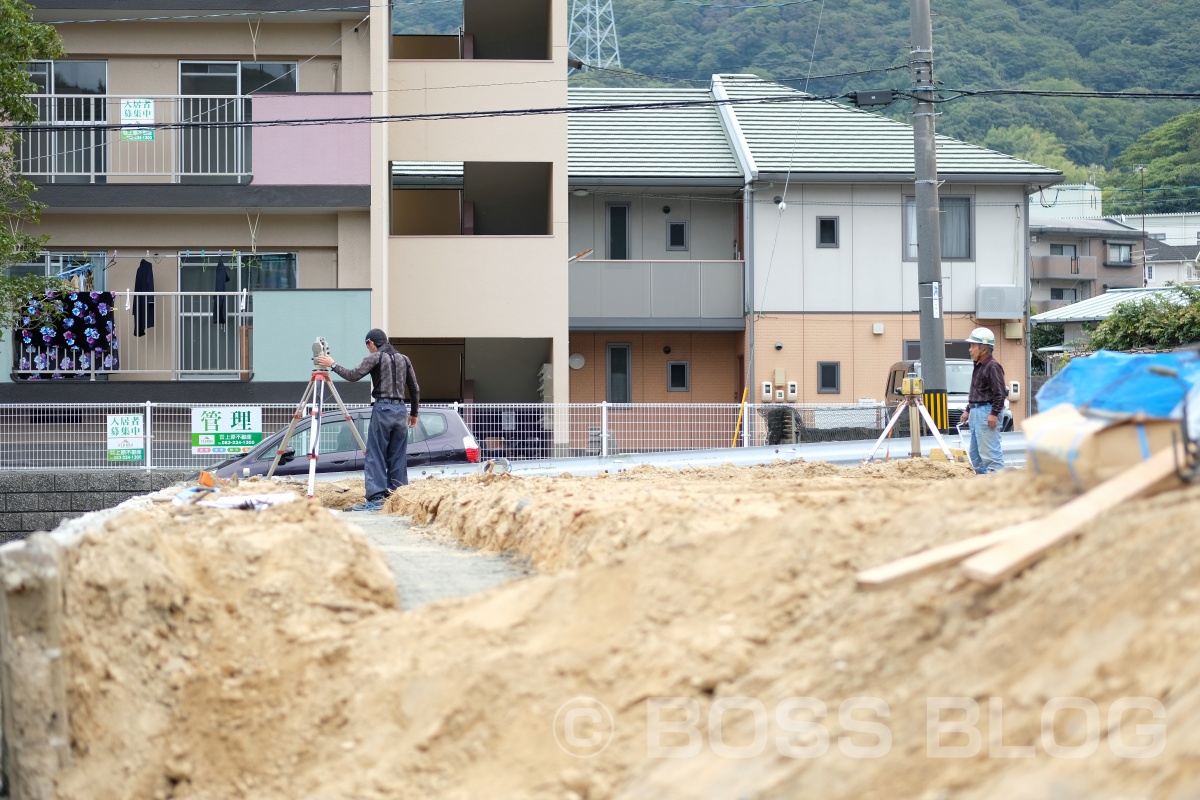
938, 406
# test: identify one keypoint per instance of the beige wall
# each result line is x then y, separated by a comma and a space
712, 365
477, 286
865, 357
315, 238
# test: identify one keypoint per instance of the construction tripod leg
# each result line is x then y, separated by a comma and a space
314, 396
937, 435
887, 430
291, 426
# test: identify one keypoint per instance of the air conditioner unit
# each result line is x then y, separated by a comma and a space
999, 302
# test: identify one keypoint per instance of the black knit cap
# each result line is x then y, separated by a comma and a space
378, 337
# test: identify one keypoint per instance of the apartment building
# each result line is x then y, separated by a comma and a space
445, 228
469, 217
227, 242
1072, 260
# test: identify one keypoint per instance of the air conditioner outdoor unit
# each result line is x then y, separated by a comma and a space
999, 302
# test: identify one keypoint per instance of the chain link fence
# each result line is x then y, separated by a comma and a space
77, 436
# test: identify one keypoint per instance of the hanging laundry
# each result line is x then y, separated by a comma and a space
218, 304
143, 305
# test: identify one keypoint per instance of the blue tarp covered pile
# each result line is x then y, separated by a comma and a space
1113, 386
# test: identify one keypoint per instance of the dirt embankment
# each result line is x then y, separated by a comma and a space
218, 654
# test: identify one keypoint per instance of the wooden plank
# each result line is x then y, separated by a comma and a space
1006, 559
935, 558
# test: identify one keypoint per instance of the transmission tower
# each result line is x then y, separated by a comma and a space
592, 38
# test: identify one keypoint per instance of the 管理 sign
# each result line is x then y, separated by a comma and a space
226, 429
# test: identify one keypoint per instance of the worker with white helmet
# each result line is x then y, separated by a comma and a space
985, 402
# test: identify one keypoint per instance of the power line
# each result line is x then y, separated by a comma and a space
216, 15
449, 115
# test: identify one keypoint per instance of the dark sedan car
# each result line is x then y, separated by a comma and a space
440, 437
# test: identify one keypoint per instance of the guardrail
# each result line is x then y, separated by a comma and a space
91, 138
159, 435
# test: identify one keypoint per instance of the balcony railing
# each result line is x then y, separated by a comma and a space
663, 293
193, 336
94, 139
1077, 268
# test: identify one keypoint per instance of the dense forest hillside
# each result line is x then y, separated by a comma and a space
1097, 45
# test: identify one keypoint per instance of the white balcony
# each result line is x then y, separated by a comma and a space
94, 139
657, 294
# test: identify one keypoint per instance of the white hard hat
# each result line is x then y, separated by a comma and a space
982, 336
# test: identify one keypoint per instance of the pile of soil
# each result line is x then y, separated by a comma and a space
218, 654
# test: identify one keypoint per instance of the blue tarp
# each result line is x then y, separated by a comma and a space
1109, 384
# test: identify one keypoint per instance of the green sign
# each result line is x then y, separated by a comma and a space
126, 437
135, 112
225, 429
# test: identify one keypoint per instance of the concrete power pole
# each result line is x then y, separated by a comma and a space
929, 229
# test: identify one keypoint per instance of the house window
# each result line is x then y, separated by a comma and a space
617, 231
677, 376
1120, 254
1069, 295
49, 265
677, 235
1062, 250
1149, 272
63, 147
956, 225
827, 231
954, 349
829, 377
619, 373
236, 77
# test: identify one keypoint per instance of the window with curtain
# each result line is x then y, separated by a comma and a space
956, 228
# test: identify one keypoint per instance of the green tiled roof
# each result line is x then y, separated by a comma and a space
782, 134
651, 143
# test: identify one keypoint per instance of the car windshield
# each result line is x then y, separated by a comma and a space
958, 378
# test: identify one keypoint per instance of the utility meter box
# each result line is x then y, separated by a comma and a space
792, 391
767, 391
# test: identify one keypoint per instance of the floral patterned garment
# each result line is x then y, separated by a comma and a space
67, 333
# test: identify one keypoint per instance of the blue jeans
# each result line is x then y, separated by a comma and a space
986, 455
387, 449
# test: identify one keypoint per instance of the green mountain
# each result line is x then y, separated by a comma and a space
978, 44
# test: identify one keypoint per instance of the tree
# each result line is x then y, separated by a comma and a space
1159, 322
21, 40
1037, 146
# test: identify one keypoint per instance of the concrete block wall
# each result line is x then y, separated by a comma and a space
39, 500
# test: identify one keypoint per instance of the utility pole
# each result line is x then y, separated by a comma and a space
1141, 170
929, 229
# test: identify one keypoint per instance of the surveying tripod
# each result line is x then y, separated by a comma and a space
912, 388
315, 391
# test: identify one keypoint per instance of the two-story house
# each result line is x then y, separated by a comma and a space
822, 229
1075, 259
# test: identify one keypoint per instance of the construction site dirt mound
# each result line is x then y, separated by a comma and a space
692, 633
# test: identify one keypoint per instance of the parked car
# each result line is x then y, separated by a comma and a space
958, 387
440, 437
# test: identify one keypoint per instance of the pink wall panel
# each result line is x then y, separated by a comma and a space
291, 155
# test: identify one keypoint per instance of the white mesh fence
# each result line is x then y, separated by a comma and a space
80, 436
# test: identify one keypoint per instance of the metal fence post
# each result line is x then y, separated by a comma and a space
149, 435
604, 428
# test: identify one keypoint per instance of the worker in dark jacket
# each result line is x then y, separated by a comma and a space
985, 402
392, 377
